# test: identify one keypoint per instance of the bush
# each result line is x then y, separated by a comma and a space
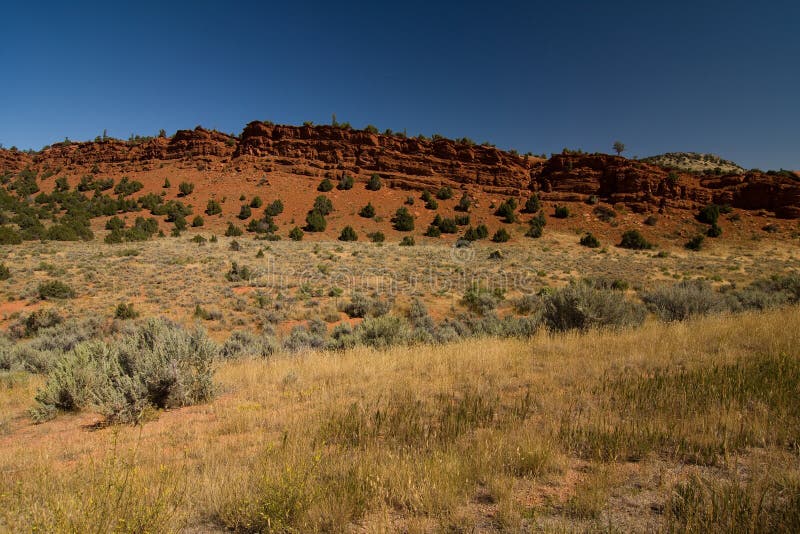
444, 193
589, 240
367, 211
115, 223
348, 234
684, 299
323, 205
127, 187
274, 209
481, 300
464, 203
55, 289
536, 226
605, 213
5, 272
507, 211
402, 220
374, 183
9, 236
213, 208
714, 231
233, 231
256, 202
407, 241
345, 183
632, 239
501, 236
581, 307
315, 221
651, 220
197, 222
185, 189
245, 212
433, 231
238, 273
296, 234
532, 205
561, 212
695, 243
376, 237
709, 214
325, 186
158, 365
381, 332
243, 343
125, 311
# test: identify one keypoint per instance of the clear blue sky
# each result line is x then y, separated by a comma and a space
713, 76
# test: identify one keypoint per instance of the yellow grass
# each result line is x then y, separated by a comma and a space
463, 436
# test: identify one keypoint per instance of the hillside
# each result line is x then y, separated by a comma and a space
288, 163
695, 162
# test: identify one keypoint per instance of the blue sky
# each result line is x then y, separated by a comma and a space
721, 77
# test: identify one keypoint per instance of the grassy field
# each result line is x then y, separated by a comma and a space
677, 427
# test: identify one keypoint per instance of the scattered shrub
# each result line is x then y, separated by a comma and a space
374, 183
532, 205
55, 290
197, 222
325, 186
714, 231
245, 212
561, 212
185, 189
407, 241
501, 236
683, 300
323, 205
213, 207
402, 220
444, 193
376, 237
507, 210
232, 230
632, 239
348, 234
296, 234
695, 243
315, 221
367, 211
125, 311
464, 203
345, 183
589, 240
274, 209
5, 272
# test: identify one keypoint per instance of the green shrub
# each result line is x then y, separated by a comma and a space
632, 239
507, 210
714, 231
501, 236
127, 187
325, 186
345, 183
444, 193
348, 234
532, 205
589, 240
9, 236
407, 241
709, 214
232, 230
245, 212
167, 184
125, 311
197, 222
464, 203
376, 237
402, 220
561, 212
315, 221
238, 273
581, 307
296, 234
213, 207
323, 205
481, 300
374, 183
274, 209
695, 243
256, 202
158, 365
385, 331
185, 189
5, 272
55, 290
433, 231
605, 213
367, 211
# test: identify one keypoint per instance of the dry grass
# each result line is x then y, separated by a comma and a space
484, 434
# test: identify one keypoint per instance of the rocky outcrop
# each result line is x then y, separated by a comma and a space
422, 163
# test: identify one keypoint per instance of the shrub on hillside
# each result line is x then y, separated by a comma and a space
374, 183
348, 234
213, 207
296, 234
185, 189
590, 241
402, 220
325, 186
315, 221
561, 212
532, 205
367, 211
632, 239
501, 236
345, 183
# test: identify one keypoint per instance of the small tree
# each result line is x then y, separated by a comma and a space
632, 239
325, 186
315, 221
185, 189
367, 211
402, 220
197, 222
619, 147
323, 205
296, 234
464, 203
589, 240
256, 202
345, 183
348, 234
501, 236
213, 208
532, 205
374, 183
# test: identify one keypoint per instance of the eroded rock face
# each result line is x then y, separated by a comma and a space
419, 163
